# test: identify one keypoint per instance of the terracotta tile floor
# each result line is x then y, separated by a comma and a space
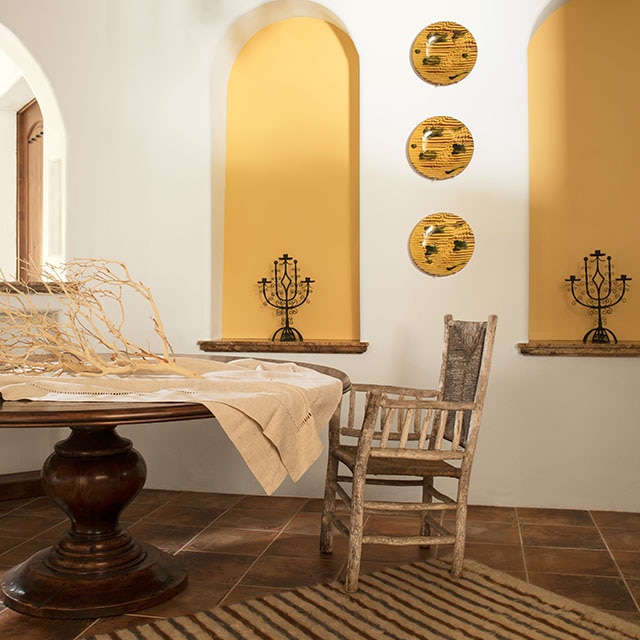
236, 547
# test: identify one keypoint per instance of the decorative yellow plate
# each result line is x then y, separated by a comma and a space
441, 244
440, 147
444, 53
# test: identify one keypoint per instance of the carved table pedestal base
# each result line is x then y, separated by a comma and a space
96, 569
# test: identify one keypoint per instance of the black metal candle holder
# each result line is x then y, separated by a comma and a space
286, 293
599, 294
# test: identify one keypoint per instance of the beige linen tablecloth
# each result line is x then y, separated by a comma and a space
272, 412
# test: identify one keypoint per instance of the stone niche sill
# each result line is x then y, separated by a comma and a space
579, 349
268, 346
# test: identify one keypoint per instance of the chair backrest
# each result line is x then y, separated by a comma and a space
442, 420
466, 359
445, 420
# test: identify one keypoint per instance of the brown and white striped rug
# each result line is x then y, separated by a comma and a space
414, 602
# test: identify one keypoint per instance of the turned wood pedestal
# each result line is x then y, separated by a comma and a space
96, 568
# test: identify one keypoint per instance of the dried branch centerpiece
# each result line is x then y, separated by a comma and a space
78, 325
599, 293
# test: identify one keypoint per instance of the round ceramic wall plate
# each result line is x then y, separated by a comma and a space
440, 147
441, 244
444, 53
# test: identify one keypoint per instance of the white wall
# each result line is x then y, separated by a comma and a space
134, 83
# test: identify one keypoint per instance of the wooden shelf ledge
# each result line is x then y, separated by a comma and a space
579, 349
269, 346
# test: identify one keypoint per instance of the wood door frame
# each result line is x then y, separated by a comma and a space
29, 194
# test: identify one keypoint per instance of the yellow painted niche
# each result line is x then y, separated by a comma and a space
292, 178
584, 138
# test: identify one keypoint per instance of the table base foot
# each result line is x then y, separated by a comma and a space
35, 589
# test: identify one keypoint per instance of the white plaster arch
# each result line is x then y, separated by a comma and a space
54, 143
225, 55
546, 12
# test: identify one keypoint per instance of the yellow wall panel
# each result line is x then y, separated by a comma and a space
584, 136
291, 186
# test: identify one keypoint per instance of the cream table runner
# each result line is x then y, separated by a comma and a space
272, 412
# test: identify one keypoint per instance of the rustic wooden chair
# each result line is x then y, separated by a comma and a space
400, 436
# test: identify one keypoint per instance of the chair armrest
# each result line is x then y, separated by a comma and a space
412, 403
385, 389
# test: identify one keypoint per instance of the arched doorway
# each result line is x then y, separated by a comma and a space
23, 85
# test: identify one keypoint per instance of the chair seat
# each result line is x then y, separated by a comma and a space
399, 466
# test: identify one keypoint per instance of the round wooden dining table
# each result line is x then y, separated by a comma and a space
97, 568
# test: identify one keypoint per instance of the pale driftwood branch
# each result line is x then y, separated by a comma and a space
81, 329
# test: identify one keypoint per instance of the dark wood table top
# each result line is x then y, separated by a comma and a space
46, 413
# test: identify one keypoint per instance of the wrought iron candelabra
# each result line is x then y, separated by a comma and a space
599, 294
286, 293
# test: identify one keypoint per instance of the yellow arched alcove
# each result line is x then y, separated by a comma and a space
291, 183
583, 99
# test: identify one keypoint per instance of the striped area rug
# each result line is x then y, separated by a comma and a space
414, 602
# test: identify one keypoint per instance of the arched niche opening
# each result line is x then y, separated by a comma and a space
583, 100
22, 81
290, 158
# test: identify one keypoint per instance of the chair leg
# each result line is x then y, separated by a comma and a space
425, 528
356, 531
329, 506
353, 564
459, 544
458, 556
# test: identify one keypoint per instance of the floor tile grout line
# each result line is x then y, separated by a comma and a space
260, 555
624, 578
239, 496
208, 525
524, 557
26, 504
27, 540
85, 631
